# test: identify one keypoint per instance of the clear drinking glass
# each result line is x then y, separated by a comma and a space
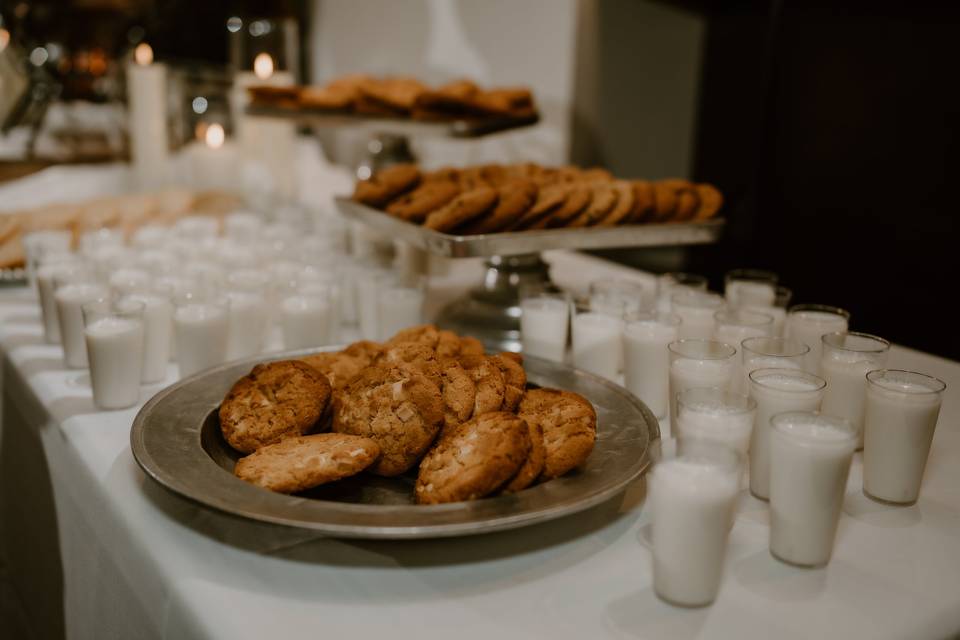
400, 305
646, 360
71, 291
669, 283
733, 326
764, 352
201, 331
616, 297
545, 324
715, 415
750, 287
247, 322
597, 342
699, 363
697, 310
847, 357
306, 318
113, 332
157, 333
901, 416
806, 323
46, 287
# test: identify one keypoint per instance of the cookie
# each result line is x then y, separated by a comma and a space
533, 466
301, 463
459, 394
395, 406
603, 200
415, 205
447, 101
427, 334
514, 198
466, 206
569, 424
664, 202
710, 201
643, 201
549, 198
578, 199
275, 400
473, 460
418, 355
397, 94
514, 380
596, 174
386, 184
444, 174
326, 98
448, 344
491, 385
506, 102
687, 205
624, 207
342, 366
470, 346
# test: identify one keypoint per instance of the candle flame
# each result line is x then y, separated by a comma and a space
263, 66
143, 54
214, 136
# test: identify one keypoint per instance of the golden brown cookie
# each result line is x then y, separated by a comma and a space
466, 206
491, 386
473, 459
533, 466
624, 208
710, 201
448, 101
596, 174
396, 93
569, 424
603, 200
549, 199
514, 198
342, 366
386, 184
326, 98
470, 346
275, 400
443, 174
664, 202
427, 334
400, 409
418, 355
514, 379
429, 196
505, 101
688, 202
578, 199
301, 463
643, 201
459, 394
448, 344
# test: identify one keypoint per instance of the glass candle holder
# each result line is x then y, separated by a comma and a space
847, 357
696, 310
901, 416
597, 342
545, 325
750, 287
806, 323
716, 416
113, 333
810, 458
699, 363
776, 391
646, 358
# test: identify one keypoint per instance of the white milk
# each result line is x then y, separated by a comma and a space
901, 415
200, 331
597, 343
753, 362
807, 327
691, 502
306, 322
124, 281
846, 392
157, 335
369, 283
398, 308
776, 391
115, 349
544, 324
689, 373
696, 310
46, 288
247, 324
809, 463
713, 420
69, 298
779, 315
742, 293
646, 363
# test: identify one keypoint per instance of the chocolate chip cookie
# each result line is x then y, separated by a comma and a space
514, 198
465, 207
386, 184
415, 205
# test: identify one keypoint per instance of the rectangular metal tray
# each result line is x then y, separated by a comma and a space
473, 128
520, 242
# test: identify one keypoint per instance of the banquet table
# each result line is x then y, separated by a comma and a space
91, 539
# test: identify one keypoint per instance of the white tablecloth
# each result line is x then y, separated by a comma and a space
139, 562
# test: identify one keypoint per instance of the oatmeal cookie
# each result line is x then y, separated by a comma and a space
569, 424
533, 466
491, 386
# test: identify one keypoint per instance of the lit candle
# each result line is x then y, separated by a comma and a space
147, 121
213, 159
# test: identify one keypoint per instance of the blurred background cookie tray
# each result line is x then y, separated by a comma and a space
462, 128
522, 242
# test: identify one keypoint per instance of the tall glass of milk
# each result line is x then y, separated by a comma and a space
46, 276
114, 338
750, 287
157, 334
806, 323
691, 499
671, 282
201, 331
72, 290
810, 456
696, 309
597, 342
646, 362
763, 352
715, 415
846, 359
699, 363
735, 325
776, 391
901, 415
545, 324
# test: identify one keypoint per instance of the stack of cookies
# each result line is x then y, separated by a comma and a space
494, 198
427, 402
403, 97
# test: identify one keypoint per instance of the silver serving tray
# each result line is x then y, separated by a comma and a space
176, 440
521, 242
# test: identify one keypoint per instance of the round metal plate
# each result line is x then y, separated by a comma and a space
176, 440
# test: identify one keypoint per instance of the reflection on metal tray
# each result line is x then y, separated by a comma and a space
520, 242
319, 118
176, 440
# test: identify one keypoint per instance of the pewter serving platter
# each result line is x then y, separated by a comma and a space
176, 440
520, 242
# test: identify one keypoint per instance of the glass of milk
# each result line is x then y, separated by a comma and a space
597, 342
306, 318
617, 297
157, 333
750, 287
691, 498
699, 363
113, 333
776, 391
400, 305
201, 331
846, 360
901, 415
765, 352
671, 282
46, 276
243, 226
71, 291
127, 280
735, 325
696, 309
810, 456
370, 280
806, 323
94, 240
715, 415
38, 244
247, 322
646, 360
545, 324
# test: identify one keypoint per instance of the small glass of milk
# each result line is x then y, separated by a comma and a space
846, 359
157, 333
616, 297
750, 287
113, 332
545, 324
901, 415
400, 305
699, 363
776, 391
806, 323
697, 310
715, 415
306, 318
47, 273
692, 497
72, 290
765, 352
597, 342
810, 456
671, 282
646, 360
200, 331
